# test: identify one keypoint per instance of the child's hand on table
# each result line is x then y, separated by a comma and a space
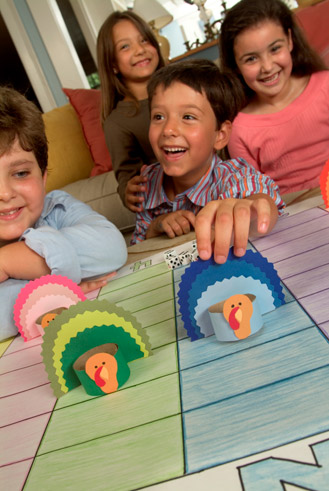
134, 187
88, 286
221, 220
176, 223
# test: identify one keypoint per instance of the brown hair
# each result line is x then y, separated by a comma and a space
223, 90
112, 85
21, 119
248, 13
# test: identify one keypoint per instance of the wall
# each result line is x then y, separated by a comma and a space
45, 48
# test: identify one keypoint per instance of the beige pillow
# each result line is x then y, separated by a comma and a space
100, 192
69, 158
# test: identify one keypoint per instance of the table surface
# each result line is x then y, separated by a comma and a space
195, 415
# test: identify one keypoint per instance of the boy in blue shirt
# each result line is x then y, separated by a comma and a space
192, 107
42, 234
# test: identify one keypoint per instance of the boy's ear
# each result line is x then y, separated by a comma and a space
223, 135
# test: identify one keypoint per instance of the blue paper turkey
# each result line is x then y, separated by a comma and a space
205, 282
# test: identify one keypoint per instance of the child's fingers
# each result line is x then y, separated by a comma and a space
133, 198
184, 225
241, 226
133, 202
190, 217
88, 286
184, 219
263, 210
137, 180
134, 189
203, 229
134, 209
168, 229
223, 230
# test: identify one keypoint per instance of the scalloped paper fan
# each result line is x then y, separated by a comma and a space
47, 289
201, 275
44, 304
32, 301
324, 183
209, 276
208, 272
85, 326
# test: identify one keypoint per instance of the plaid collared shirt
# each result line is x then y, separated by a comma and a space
224, 179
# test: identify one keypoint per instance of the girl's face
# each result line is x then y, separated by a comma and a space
263, 57
136, 58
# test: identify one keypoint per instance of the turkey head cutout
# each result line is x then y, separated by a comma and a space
238, 310
102, 368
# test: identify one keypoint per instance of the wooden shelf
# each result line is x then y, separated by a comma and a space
195, 50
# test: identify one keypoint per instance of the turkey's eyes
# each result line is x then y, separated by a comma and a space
240, 303
103, 363
96, 366
232, 306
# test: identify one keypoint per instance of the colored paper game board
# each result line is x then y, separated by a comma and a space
247, 415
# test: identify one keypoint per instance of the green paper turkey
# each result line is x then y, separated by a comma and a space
111, 334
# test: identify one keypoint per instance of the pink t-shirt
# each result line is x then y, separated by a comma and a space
292, 145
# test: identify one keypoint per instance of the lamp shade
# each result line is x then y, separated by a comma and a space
152, 12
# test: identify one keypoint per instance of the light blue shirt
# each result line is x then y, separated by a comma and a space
74, 240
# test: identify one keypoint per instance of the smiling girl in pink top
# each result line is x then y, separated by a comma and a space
283, 130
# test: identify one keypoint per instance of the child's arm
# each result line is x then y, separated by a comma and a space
20, 262
75, 241
221, 221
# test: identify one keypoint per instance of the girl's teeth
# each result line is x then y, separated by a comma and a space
270, 79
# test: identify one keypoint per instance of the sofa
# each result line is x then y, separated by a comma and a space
313, 19
78, 159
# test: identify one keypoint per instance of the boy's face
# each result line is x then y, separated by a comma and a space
22, 192
183, 132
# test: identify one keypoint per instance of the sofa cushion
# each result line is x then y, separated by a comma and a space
87, 104
314, 22
100, 192
69, 158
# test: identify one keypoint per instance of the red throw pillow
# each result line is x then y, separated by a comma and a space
87, 105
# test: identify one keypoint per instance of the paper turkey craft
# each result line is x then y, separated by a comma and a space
324, 183
228, 299
40, 300
91, 343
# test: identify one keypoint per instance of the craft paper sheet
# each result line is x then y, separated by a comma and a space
246, 415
